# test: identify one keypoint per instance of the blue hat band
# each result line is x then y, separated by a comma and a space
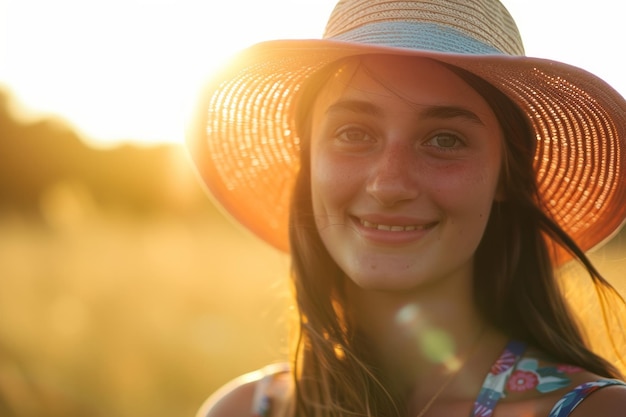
419, 36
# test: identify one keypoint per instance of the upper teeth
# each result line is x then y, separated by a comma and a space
390, 228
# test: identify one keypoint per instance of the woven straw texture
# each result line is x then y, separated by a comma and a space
484, 20
246, 149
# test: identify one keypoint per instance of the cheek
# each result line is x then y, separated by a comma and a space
330, 184
333, 181
467, 192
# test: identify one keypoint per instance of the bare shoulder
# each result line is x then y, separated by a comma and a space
237, 398
233, 399
609, 401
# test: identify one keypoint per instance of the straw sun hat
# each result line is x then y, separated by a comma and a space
246, 149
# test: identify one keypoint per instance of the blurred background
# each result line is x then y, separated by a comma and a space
124, 291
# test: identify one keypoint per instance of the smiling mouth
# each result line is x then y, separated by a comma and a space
395, 228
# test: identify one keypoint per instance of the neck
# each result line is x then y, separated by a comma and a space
419, 338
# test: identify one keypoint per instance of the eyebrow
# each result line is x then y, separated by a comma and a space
433, 112
355, 106
450, 112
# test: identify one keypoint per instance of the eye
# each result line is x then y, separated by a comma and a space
445, 141
354, 135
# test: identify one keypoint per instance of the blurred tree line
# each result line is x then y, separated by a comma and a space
37, 154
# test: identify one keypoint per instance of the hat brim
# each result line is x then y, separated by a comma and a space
245, 146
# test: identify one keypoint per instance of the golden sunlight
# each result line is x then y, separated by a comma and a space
131, 70
125, 291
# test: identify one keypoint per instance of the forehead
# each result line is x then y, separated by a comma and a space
417, 81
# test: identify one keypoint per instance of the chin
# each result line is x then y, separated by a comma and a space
406, 275
389, 281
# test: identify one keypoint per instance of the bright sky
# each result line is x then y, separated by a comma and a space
131, 69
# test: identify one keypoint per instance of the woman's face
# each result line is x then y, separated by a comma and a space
405, 161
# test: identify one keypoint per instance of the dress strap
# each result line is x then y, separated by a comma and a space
493, 386
569, 401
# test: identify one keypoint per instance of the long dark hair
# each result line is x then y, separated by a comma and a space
514, 280
515, 285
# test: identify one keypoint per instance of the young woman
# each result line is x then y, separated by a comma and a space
429, 181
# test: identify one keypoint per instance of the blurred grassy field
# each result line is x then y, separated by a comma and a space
104, 314
107, 314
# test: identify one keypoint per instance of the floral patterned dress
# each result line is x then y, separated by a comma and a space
513, 373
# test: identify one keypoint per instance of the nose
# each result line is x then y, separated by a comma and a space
393, 177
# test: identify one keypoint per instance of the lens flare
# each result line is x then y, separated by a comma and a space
435, 344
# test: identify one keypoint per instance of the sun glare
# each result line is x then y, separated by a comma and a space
121, 70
